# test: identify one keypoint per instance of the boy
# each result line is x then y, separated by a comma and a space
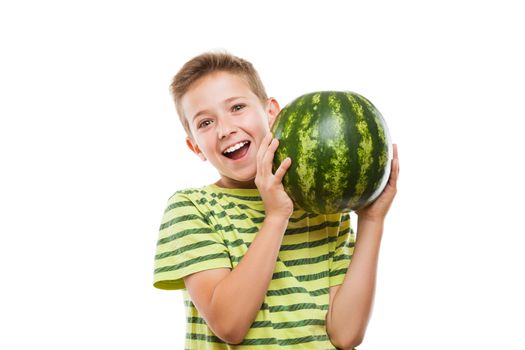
256, 273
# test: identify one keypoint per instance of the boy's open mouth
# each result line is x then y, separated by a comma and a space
237, 151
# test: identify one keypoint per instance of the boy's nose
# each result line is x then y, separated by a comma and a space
225, 129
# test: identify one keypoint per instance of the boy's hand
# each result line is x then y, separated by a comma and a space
277, 203
379, 208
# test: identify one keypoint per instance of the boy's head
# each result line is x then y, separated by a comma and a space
205, 64
226, 114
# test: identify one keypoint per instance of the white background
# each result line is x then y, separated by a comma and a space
91, 149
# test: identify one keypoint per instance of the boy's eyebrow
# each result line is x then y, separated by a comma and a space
226, 101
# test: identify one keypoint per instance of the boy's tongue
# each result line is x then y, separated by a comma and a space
239, 153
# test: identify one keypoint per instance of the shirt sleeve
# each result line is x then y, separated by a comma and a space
342, 254
187, 244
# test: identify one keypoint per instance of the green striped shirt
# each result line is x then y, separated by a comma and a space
212, 227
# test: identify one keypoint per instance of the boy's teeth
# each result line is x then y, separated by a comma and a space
235, 147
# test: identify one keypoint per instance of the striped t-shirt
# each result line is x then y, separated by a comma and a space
212, 227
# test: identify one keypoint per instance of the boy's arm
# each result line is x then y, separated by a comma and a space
351, 303
229, 300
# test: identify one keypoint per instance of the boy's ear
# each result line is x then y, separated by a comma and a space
195, 148
273, 110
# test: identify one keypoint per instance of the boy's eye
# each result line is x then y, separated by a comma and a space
238, 107
204, 123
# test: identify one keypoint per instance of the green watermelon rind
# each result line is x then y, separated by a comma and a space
348, 135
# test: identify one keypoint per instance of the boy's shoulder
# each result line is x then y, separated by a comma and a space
186, 191
212, 190
200, 194
189, 200
190, 192
212, 197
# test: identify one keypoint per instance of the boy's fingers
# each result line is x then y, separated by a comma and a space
262, 147
262, 151
285, 165
394, 173
268, 156
395, 150
396, 160
396, 157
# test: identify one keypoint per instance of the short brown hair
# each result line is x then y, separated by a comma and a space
207, 63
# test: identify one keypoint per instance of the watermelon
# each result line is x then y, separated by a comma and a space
340, 149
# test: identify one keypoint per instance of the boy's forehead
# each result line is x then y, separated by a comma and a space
212, 90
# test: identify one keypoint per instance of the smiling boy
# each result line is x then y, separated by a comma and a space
255, 272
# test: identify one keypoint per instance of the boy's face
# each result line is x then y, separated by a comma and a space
228, 122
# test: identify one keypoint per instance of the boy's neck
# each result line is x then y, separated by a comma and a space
236, 184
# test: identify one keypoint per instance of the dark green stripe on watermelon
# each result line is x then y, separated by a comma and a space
339, 147
381, 169
300, 127
353, 171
